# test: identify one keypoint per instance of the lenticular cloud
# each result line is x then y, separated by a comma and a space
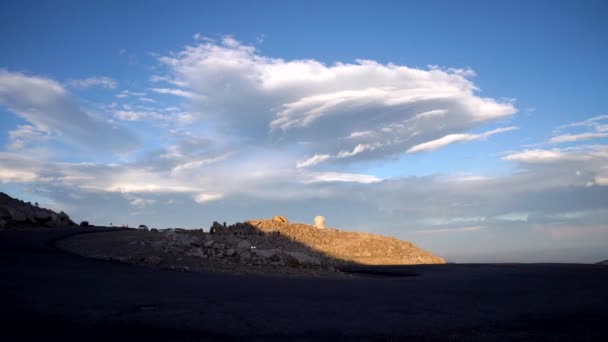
328, 107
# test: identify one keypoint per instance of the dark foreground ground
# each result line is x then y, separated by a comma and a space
49, 295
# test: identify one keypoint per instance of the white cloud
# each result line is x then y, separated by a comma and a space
139, 202
17, 176
546, 156
129, 115
103, 82
513, 217
452, 138
593, 122
450, 230
48, 107
317, 177
335, 108
26, 135
314, 160
206, 197
358, 149
564, 138
173, 91
147, 99
197, 164
439, 221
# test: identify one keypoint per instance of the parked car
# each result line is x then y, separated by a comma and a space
84, 223
143, 226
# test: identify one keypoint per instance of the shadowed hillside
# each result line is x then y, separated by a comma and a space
15, 213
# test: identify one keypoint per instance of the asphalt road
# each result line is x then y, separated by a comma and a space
48, 293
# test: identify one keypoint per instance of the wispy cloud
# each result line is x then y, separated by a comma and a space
207, 197
173, 91
450, 230
317, 177
564, 138
453, 138
103, 82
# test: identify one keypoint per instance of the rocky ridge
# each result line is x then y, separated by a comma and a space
270, 247
347, 246
15, 213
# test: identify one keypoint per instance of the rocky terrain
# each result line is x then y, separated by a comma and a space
261, 246
15, 213
197, 251
345, 246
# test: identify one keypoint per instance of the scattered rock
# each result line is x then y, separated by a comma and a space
152, 260
17, 215
266, 253
119, 258
156, 244
245, 255
304, 259
42, 215
5, 213
244, 245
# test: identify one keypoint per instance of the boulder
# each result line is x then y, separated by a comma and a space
17, 215
303, 258
266, 253
157, 244
216, 227
29, 213
5, 213
152, 260
196, 252
42, 215
280, 219
119, 258
245, 255
244, 245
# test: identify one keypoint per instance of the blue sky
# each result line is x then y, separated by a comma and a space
475, 129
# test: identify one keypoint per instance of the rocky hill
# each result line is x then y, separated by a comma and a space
15, 213
357, 247
270, 247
